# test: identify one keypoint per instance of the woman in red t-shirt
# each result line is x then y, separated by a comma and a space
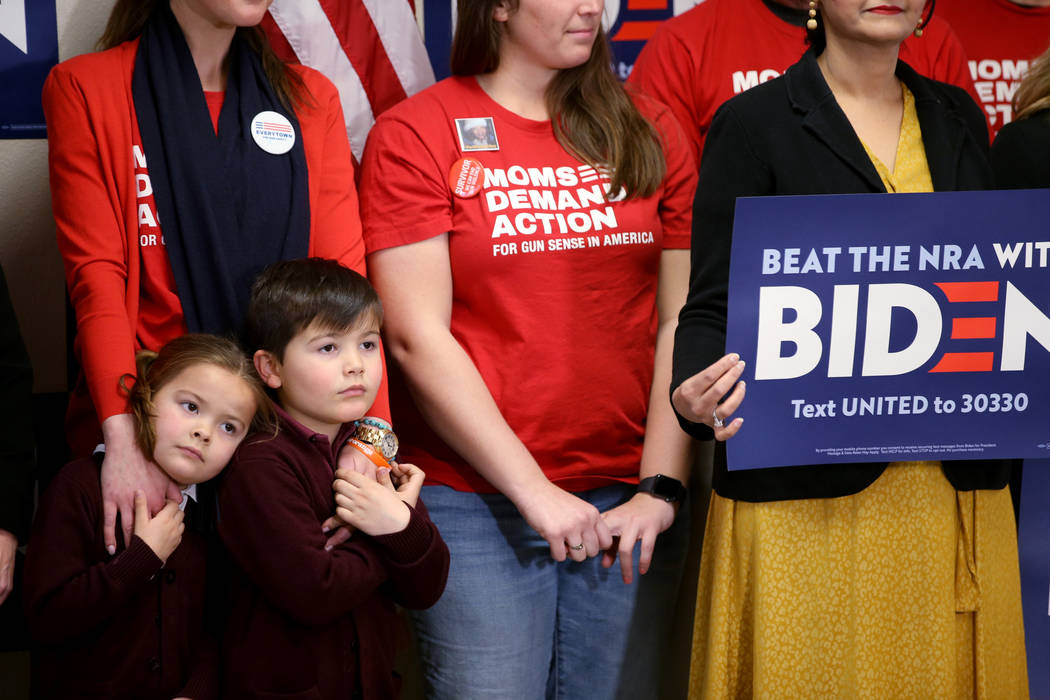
248, 163
527, 226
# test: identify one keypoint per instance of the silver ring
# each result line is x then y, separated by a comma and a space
719, 423
577, 547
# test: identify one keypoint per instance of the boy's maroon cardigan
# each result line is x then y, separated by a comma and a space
112, 627
304, 621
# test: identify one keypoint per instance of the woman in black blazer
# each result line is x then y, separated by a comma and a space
1021, 152
861, 579
1021, 157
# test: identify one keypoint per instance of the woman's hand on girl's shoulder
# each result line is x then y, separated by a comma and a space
698, 398
126, 470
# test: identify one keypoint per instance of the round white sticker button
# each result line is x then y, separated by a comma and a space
273, 132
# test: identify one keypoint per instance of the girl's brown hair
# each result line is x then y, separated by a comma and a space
129, 18
155, 369
1033, 94
592, 116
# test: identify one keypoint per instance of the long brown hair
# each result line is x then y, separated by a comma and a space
592, 116
1033, 94
129, 18
155, 369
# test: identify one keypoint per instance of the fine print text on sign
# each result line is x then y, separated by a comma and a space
891, 327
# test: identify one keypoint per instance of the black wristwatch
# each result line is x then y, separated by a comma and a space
665, 487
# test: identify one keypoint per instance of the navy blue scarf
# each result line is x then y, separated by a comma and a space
227, 208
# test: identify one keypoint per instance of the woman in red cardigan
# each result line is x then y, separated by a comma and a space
184, 157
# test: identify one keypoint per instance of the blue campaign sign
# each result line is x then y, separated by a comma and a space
882, 327
28, 50
1034, 551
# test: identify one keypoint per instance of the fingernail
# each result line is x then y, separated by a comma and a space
741, 364
325, 529
734, 357
111, 549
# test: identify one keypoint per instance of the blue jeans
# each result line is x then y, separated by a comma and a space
515, 624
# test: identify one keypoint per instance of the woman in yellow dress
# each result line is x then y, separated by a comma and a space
849, 580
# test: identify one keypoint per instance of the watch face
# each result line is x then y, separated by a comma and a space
665, 488
388, 445
380, 438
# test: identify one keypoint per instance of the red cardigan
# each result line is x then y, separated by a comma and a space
302, 621
113, 627
91, 128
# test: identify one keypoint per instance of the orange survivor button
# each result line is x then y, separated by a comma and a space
465, 177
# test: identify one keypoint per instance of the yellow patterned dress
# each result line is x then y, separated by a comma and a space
909, 589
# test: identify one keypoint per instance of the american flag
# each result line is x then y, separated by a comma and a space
371, 49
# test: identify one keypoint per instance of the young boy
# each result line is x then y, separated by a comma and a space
305, 621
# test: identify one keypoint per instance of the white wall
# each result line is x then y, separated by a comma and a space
27, 231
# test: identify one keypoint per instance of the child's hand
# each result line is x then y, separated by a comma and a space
409, 479
351, 458
163, 532
337, 532
369, 506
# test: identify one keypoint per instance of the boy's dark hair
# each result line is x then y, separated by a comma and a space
290, 295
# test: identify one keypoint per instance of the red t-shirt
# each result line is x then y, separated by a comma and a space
701, 58
1000, 39
554, 289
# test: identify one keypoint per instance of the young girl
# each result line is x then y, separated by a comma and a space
130, 625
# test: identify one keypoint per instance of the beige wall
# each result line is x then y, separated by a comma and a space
27, 231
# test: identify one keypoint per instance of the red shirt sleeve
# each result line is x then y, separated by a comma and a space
405, 198
679, 185
87, 192
665, 71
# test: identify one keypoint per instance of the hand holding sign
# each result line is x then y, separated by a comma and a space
697, 398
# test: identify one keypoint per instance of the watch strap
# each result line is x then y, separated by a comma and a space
370, 452
668, 488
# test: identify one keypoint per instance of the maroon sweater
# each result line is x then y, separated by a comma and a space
304, 622
112, 627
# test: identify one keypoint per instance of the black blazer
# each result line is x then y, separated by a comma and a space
1021, 153
789, 137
